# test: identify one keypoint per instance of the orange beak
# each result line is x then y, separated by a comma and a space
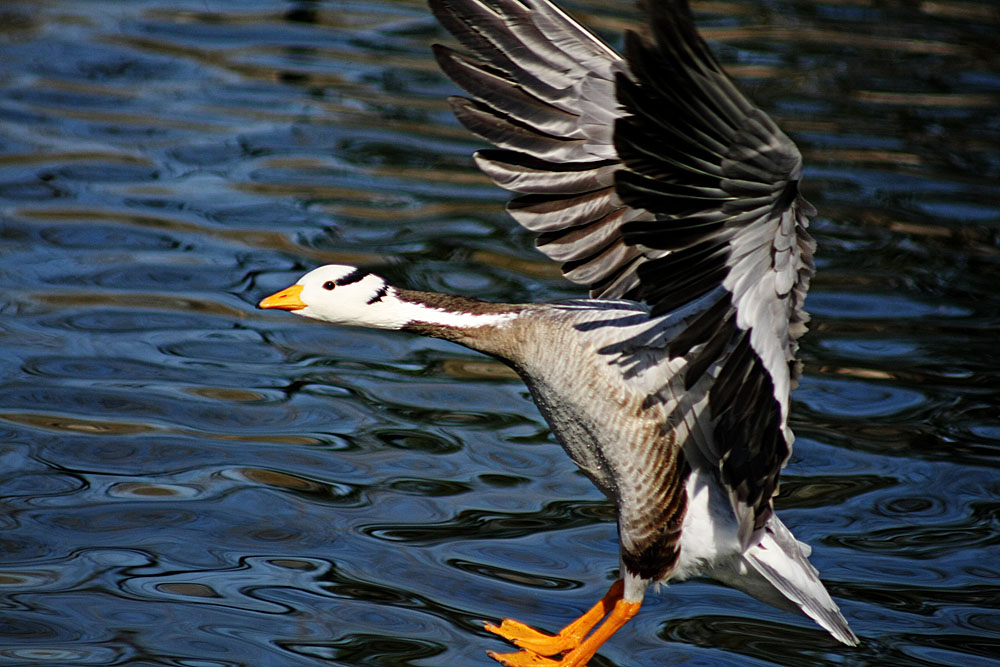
286, 299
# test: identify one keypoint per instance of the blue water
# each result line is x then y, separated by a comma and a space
187, 480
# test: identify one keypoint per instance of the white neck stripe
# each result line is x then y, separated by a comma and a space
418, 313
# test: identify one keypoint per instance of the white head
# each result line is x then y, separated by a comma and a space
348, 295
342, 295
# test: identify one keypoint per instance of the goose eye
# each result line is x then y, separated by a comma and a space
329, 285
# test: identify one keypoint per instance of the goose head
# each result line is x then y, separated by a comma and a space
347, 295
342, 294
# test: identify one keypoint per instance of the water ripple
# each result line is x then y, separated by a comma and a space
189, 481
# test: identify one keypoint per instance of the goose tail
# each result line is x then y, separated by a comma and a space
776, 570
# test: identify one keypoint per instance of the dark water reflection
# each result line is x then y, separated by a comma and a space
186, 480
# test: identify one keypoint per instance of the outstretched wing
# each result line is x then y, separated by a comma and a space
544, 92
653, 178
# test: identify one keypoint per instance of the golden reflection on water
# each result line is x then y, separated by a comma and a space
958, 101
478, 369
254, 238
75, 424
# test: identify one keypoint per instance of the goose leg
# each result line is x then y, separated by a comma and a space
578, 651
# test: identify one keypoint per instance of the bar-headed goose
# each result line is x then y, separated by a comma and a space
657, 184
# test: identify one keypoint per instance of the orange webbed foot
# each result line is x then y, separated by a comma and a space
534, 641
571, 640
568, 638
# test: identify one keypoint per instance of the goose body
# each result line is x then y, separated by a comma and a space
659, 186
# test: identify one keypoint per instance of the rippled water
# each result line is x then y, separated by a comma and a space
187, 480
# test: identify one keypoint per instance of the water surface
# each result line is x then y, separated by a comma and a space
187, 480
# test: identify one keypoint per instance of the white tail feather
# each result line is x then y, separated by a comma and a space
779, 558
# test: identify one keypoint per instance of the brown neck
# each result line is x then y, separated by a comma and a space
464, 330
